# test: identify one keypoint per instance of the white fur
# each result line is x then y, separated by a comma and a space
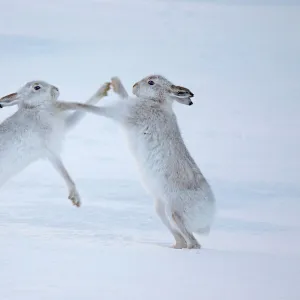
184, 200
36, 131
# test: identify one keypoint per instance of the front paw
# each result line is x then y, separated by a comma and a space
116, 85
75, 197
102, 92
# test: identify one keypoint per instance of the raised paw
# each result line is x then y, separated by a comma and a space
75, 198
102, 92
116, 85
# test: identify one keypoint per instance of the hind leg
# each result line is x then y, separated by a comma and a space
192, 243
161, 211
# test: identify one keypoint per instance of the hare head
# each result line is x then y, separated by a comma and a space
32, 94
158, 88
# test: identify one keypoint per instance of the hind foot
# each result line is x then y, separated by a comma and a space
180, 242
194, 245
180, 245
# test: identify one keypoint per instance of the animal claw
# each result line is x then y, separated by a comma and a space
75, 198
102, 92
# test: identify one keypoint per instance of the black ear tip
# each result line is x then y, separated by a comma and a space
191, 103
1, 106
192, 95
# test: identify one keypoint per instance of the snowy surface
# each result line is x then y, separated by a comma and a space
241, 59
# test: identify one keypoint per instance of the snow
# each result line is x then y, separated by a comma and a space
241, 60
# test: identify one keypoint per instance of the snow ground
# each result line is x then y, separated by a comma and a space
241, 59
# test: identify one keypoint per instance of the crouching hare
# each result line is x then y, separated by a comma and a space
184, 200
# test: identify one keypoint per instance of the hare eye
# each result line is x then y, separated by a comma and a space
151, 82
37, 87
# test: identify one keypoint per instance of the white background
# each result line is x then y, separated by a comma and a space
241, 60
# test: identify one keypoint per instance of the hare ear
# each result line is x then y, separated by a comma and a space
181, 94
9, 100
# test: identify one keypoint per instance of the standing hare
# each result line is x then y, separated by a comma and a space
184, 200
36, 130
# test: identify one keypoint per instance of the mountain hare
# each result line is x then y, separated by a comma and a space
184, 200
37, 129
